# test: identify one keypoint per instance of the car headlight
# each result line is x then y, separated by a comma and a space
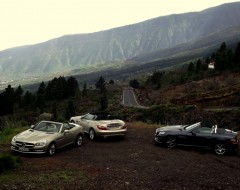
41, 143
14, 140
161, 133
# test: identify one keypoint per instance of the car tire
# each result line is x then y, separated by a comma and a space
51, 149
79, 140
170, 142
220, 148
92, 134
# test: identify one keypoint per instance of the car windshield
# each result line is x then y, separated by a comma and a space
48, 127
89, 116
191, 127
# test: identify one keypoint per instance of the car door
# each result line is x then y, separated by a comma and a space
86, 122
201, 136
185, 138
68, 135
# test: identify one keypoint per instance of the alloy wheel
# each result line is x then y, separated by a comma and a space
220, 149
51, 149
91, 134
79, 140
171, 142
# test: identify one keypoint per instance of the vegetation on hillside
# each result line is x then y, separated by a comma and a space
174, 97
61, 97
223, 60
182, 95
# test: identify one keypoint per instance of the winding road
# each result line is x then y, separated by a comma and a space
129, 98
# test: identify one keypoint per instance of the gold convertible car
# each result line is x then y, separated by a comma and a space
47, 137
100, 124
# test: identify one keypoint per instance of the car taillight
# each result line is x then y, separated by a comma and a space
234, 141
124, 127
101, 127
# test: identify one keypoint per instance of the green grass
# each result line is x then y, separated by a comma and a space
41, 180
7, 134
10, 177
67, 175
8, 162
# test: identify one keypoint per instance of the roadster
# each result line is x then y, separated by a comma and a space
219, 139
47, 137
100, 124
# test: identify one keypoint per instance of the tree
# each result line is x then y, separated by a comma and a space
9, 100
72, 85
42, 88
70, 110
104, 101
111, 82
198, 65
84, 92
222, 58
57, 89
41, 101
237, 56
54, 111
134, 83
100, 84
3, 104
156, 78
28, 101
191, 67
18, 95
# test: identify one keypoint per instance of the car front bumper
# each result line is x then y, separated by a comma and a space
159, 139
40, 150
106, 133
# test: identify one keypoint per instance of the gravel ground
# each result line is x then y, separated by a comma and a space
131, 163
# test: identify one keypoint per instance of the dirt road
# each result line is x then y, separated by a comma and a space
133, 163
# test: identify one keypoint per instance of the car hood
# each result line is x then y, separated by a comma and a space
171, 128
33, 136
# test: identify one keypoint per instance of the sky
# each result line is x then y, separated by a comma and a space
26, 22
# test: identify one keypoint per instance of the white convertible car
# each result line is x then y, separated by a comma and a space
98, 124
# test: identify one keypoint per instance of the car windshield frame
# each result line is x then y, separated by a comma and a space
192, 127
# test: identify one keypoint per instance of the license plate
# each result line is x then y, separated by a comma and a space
113, 127
23, 149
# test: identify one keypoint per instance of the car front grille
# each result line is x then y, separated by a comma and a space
24, 144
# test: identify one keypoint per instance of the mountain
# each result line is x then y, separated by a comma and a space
141, 42
202, 46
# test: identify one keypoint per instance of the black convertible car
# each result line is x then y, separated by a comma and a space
219, 139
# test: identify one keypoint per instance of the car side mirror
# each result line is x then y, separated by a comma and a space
194, 132
66, 131
32, 126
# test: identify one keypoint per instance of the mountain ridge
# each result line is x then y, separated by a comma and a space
114, 46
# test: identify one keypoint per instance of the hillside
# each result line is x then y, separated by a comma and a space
86, 53
220, 91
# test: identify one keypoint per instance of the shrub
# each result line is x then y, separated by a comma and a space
8, 162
